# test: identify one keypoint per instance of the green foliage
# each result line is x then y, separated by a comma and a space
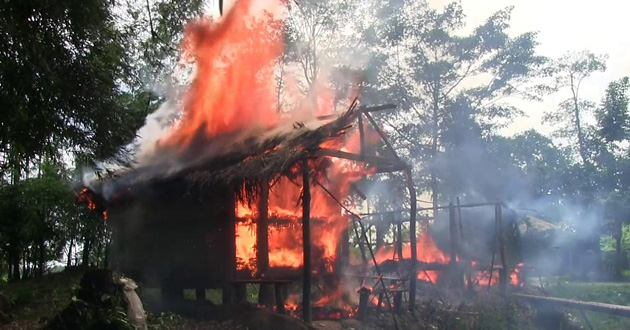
40, 298
509, 316
611, 293
59, 82
608, 241
432, 72
613, 117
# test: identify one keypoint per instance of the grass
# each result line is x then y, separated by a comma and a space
35, 300
617, 293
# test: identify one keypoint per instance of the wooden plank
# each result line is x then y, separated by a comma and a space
618, 310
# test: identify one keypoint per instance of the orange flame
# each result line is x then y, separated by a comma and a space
285, 241
86, 196
482, 277
234, 83
427, 251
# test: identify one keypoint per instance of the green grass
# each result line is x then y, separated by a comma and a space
35, 300
604, 292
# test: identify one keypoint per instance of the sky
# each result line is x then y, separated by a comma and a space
563, 25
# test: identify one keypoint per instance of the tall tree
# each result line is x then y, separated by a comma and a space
435, 66
570, 71
613, 117
613, 128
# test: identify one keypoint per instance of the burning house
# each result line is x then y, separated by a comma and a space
236, 191
204, 226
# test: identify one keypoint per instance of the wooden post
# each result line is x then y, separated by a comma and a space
461, 236
364, 298
399, 243
228, 288
262, 230
265, 297
452, 230
200, 294
504, 272
279, 291
412, 239
306, 239
456, 272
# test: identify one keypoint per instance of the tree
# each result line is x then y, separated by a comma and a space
570, 71
613, 117
70, 84
614, 128
325, 45
437, 68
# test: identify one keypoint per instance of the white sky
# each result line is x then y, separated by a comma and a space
562, 25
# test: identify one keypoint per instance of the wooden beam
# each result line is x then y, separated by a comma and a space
356, 157
382, 135
306, 240
461, 206
358, 191
618, 310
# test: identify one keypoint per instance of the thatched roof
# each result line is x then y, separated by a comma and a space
265, 156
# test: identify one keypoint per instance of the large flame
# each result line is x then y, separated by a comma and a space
234, 85
285, 240
427, 251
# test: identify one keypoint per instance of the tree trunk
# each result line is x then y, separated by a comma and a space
69, 263
10, 266
41, 258
434, 148
16, 265
86, 253
578, 124
106, 257
618, 250
24, 271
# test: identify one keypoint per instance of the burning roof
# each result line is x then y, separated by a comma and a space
243, 162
